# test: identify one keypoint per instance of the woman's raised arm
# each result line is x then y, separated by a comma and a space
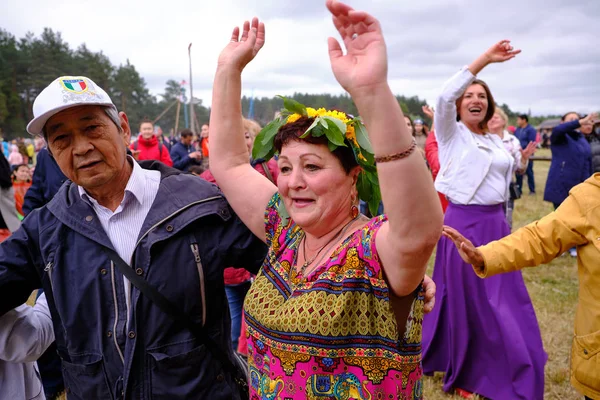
405, 242
246, 189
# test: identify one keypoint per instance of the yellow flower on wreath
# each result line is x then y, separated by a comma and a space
293, 118
321, 112
351, 136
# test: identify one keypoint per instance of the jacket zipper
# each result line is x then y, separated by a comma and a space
196, 253
167, 218
114, 290
198, 260
48, 269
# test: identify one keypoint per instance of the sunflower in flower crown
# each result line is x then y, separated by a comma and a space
340, 130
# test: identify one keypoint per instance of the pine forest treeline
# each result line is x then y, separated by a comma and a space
29, 64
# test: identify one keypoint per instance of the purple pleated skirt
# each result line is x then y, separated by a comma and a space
483, 333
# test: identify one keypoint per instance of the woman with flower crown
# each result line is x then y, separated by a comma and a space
337, 307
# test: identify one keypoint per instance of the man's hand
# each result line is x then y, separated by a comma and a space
196, 155
136, 154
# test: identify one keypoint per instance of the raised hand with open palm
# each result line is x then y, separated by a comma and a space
242, 49
499, 52
365, 63
528, 151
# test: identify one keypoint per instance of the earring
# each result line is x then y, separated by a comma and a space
354, 211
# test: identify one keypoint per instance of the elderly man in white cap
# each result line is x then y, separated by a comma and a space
131, 258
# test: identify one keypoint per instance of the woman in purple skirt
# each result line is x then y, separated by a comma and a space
486, 342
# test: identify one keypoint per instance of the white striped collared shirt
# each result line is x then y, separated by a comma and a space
123, 226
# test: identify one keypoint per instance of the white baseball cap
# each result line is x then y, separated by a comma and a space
65, 92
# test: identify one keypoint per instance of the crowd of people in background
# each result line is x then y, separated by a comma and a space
249, 207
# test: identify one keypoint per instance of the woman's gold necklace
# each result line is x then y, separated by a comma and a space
337, 235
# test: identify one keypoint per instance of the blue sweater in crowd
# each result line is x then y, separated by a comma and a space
571, 161
180, 154
526, 135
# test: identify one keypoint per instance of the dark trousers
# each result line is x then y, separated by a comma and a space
530, 179
235, 298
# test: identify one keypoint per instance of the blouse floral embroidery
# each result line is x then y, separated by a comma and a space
333, 334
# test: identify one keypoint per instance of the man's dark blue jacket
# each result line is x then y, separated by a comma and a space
181, 158
189, 236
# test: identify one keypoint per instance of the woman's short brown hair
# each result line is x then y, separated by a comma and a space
491, 104
292, 132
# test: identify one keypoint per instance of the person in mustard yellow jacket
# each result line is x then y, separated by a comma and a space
575, 223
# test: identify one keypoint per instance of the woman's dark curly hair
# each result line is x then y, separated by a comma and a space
293, 131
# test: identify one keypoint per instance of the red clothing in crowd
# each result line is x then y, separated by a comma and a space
204, 146
149, 150
431, 154
20, 189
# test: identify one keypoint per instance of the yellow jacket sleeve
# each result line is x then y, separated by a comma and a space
537, 243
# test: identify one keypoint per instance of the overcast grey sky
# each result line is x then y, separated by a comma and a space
428, 40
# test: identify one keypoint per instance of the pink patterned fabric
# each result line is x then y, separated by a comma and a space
333, 334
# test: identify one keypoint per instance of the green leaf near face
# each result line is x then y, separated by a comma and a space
373, 179
260, 151
263, 145
364, 188
315, 123
283, 213
369, 168
269, 155
293, 106
341, 125
317, 131
334, 133
369, 157
362, 137
373, 203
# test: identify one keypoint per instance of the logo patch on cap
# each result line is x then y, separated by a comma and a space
75, 85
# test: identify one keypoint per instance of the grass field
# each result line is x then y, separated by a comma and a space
553, 289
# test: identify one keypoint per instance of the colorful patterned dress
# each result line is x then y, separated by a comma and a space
333, 334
